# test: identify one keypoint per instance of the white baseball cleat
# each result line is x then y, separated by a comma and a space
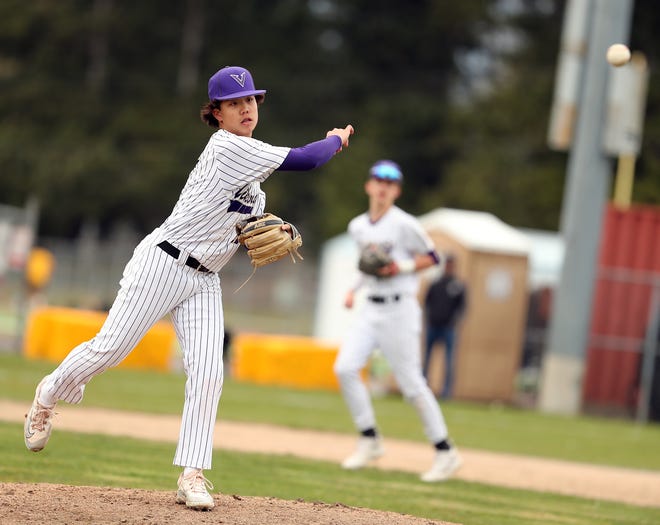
38, 424
445, 464
193, 491
368, 449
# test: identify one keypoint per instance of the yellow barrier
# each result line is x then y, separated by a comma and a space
280, 360
51, 333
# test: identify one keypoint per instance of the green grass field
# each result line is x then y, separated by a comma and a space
100, 460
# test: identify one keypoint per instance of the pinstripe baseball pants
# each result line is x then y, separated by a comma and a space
154, 284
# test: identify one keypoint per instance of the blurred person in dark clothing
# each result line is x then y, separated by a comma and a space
445, 303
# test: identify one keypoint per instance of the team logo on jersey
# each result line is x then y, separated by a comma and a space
239, 78
386, 247
243, 201
239, 207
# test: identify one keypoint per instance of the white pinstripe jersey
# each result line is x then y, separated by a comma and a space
402, 236
223, 188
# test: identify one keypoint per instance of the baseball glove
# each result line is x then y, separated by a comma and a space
372, 258
266, 241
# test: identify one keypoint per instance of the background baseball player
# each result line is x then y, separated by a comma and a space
390, 320
175, 269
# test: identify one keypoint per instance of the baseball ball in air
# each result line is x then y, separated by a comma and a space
618, 54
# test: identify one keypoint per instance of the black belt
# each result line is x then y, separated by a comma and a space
190, 261
384, 299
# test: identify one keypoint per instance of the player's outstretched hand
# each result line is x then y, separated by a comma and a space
343, 134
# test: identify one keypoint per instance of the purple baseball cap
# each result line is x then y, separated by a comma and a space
386, 170
232, 82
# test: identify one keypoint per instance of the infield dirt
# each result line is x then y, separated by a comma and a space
60, 504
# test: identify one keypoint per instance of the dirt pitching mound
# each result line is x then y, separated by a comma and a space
29, 503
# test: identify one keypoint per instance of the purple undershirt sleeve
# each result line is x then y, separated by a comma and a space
312, 155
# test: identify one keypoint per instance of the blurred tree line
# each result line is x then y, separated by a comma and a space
100, 103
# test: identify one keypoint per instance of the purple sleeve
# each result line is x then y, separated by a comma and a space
312, 155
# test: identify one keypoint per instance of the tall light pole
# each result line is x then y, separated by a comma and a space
585, 195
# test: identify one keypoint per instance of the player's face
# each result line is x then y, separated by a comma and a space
238, 115
383, 192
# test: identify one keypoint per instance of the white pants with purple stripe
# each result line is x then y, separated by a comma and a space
153, 285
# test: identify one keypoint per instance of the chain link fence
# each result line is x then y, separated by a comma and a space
278, 298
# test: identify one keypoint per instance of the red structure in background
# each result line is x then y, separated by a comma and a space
628, 267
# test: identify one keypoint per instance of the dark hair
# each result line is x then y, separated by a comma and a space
206, 113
